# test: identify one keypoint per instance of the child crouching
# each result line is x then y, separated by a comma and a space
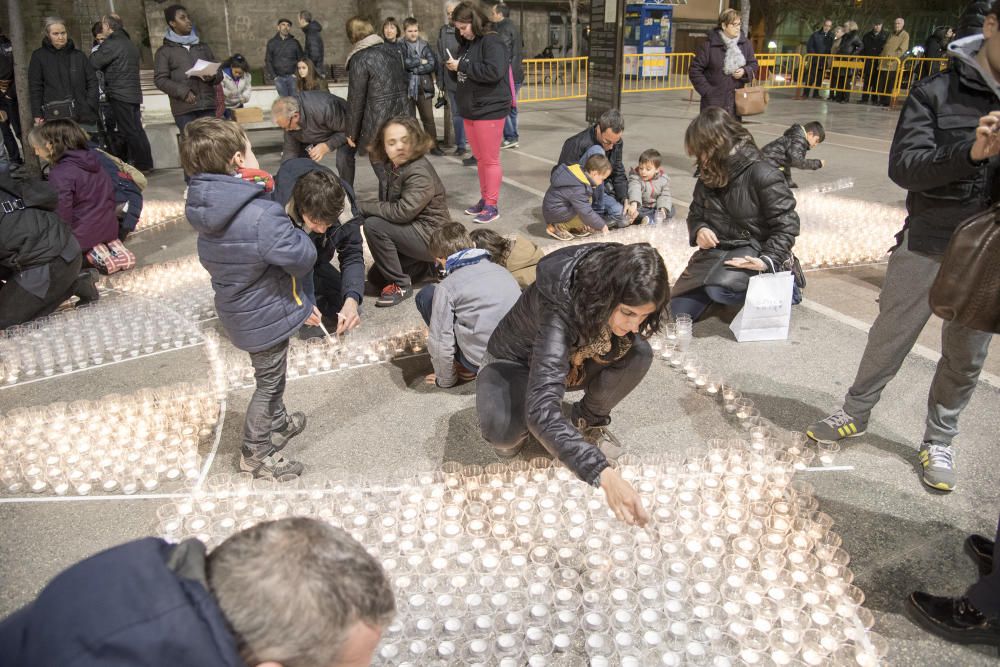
257, 260
649, 189
462, 310
568, 205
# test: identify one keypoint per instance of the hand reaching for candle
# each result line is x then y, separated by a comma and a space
623, 499
348, 317
314, 319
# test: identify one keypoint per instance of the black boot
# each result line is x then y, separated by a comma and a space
954, 619
980, 549
85, 287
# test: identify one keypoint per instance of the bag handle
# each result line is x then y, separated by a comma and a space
770, 261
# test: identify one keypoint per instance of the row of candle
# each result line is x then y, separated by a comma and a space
158, 212
182, 286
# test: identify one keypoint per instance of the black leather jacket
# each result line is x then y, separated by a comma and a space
376, 91
930, 152
538, 332
118, 58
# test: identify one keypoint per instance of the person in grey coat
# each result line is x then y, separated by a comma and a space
462, 310
315, 124
191, 97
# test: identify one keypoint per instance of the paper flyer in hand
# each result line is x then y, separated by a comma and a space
203, 68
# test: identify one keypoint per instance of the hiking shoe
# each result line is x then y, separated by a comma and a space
509, 143
470, 161
640, 220
954, 619
393, 294
558, 233
488, 214
85, 287
581, 232
835, 428
477, 209
463, 373
939, 466
296, 424
271, 466
602, 438
980, 549
437, 151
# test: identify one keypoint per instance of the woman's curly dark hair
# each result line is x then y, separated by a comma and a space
614, 274
498, 246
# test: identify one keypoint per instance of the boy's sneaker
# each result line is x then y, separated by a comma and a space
100, 257
488, 214
558, 233
835, 428
939, 466
470, 161
602, 438
122, 256
509, 143
296, 424
271, 466
477, 209
581, 232
641, 220
393, 295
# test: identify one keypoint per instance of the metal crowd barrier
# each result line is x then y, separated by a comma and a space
885, 79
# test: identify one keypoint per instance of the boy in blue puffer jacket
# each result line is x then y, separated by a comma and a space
258, 261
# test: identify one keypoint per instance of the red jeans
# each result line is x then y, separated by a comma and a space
485, 136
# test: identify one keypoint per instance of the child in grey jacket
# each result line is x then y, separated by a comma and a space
649, 188
463, 309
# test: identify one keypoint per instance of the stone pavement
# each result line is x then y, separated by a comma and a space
380, 423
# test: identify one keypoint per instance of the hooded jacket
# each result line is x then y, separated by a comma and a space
377, 86
574, 148
411, 194
755, 208
33, 236
145, 603
235, 91
716, 88
571, 194
169, 66
523, 259
62, 74
256, 257
483, 90
789, 150
86, 197
314, 46
654, 193
323, 119
538, 333
468, 304
282, 56
118, 58
930, 149
343, 238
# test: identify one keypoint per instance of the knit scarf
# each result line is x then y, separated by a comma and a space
606, 349
370, 40
466, 257
734, 57
186, 40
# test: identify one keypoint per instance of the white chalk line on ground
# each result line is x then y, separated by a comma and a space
210, 458
921, 351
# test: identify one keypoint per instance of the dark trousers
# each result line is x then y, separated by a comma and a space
814, 76
425, 303
400, 252
871, 69
327, 285
843, 79
695, 302
18, 306
985, 593
502, 392
425, 107
183, 119
266, 411
345, 163
886, 81
11, 127
129, 123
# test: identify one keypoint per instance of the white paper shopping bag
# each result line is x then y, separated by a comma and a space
768, 308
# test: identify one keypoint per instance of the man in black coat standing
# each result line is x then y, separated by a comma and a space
820, 43
314, 42
282, 58
872, 42
119, 59
511, 38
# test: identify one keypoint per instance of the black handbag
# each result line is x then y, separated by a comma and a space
59, 109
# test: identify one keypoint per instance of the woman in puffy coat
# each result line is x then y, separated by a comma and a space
742, 216
376, 86
236, 86
724, 63
61, 81
578, 327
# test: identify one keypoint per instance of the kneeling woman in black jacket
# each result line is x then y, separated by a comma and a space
577, 327
742, 215
39, 257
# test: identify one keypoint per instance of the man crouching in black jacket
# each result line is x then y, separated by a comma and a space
314, 198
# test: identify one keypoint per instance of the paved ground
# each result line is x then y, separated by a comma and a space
381, 423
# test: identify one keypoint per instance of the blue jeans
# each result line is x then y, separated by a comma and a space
604, 203
695, 302
457, 121
285, 85
510, 125
425, 302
